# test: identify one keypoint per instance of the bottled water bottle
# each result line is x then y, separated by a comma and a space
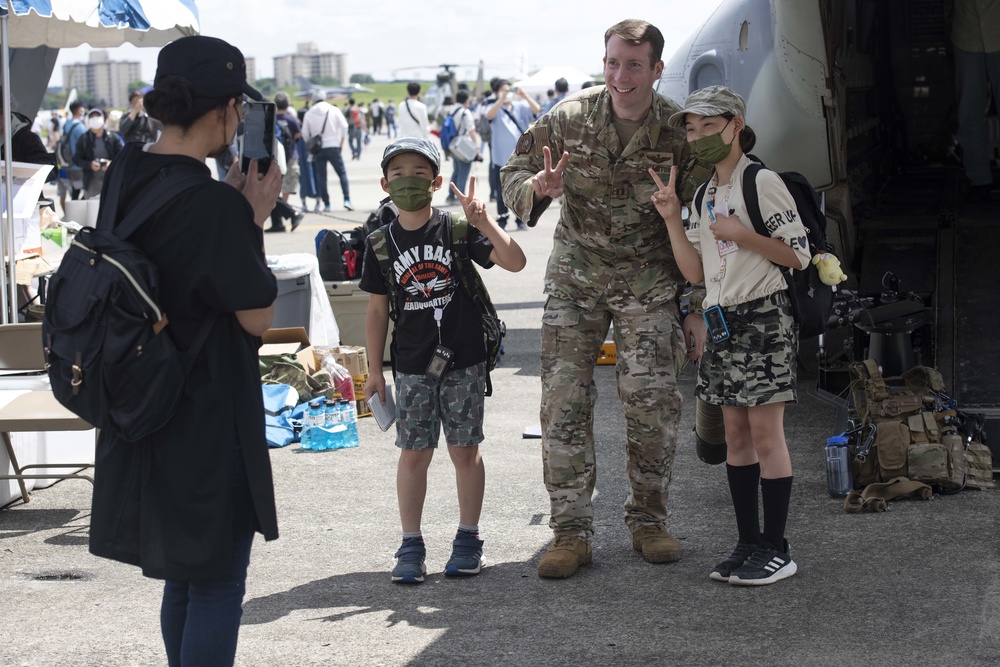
838, 470
310, 426
350, 419
334, 430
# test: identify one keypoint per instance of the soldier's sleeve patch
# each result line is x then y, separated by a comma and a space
525, 144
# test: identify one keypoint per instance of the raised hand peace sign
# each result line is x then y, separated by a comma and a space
665, 198
549, 181
475, 211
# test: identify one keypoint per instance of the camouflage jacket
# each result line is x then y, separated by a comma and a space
608, 223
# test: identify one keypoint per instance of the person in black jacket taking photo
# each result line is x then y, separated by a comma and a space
94, 152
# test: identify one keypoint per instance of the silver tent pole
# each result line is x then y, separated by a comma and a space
9, 300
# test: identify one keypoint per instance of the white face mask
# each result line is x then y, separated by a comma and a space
95, 123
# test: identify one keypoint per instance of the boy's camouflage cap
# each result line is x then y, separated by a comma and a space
710, 101
412, 145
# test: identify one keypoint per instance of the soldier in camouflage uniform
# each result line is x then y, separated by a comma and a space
611, 263
748, 366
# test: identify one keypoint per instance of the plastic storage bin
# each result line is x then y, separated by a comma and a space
350, 306
292, 307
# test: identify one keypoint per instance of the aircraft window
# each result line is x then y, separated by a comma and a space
744, 34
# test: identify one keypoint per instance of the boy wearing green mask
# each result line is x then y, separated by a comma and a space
747, 365
438, 351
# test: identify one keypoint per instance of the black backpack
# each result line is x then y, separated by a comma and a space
64, 147
109, 358
812, 301
285, 137
382, 216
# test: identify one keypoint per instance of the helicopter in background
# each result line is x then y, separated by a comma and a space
446, 85
315, 93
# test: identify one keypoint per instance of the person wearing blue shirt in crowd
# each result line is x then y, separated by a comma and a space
510, 115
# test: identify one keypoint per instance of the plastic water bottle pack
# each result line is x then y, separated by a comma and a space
329, 424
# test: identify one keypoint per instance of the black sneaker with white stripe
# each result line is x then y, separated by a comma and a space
740, 554
765, 566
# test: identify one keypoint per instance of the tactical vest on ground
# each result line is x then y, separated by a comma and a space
914, 431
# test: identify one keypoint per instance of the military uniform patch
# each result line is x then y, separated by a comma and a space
525, 143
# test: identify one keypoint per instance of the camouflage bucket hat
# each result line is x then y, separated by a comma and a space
710, 101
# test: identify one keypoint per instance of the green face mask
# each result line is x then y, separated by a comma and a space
411, 193
711, 149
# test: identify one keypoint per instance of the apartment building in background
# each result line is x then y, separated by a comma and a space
107, 80
309, 63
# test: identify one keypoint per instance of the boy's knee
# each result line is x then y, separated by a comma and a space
464, 455
415, 459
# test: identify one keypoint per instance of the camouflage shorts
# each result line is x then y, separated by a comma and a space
424, 405
756, 364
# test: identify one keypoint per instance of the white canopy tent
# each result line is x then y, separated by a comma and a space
545, 79
31, 34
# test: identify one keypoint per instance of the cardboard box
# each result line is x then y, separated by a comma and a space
359, 384
361, 406
360, 400
291, 340
353, 358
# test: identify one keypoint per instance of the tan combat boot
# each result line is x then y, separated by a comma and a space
656, 544
564, 556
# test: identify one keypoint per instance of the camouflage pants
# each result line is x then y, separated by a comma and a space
650, 354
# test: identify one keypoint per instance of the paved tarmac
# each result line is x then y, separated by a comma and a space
919, 584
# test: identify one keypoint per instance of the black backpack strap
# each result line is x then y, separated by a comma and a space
699, 196
460, 230
460, 251
752, 199
511, 116
168, 184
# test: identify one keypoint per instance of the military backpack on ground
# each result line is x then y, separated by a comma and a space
914, 431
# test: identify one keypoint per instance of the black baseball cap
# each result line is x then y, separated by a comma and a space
213, 67
412, 145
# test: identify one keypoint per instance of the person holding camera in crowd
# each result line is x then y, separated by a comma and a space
94, 152
136, 125
509, 115
439, 359
748, 362
184, 502
611, 262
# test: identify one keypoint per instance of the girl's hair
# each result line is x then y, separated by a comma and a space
172, 103
748, 139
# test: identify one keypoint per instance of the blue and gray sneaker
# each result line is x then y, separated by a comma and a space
410, 568
466, 556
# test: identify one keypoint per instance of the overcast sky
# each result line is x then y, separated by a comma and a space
381, 37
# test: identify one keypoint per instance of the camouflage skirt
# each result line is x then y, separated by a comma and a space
756, 364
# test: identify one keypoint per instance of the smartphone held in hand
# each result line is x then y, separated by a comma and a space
258, 138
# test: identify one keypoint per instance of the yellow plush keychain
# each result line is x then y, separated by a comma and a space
829, 268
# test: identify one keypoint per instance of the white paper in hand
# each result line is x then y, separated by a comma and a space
384, 413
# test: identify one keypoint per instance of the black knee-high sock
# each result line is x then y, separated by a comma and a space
743, 482
776, 495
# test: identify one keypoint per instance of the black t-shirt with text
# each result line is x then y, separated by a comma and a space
427, 277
